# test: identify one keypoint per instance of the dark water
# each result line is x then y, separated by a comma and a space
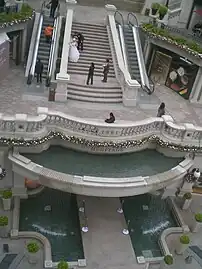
60, 225
149, 215
143, 163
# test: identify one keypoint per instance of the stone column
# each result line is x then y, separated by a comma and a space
197, 87
63, 78
19, 188
186, 8
111, 9
23, 44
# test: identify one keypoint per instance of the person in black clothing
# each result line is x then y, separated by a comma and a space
39, 70
90, 74
111, 118
80, 41
54, 4
105, 70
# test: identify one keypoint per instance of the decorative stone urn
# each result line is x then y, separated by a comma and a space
62, 265
187, 199
32, 252
197, 224
182, 244
3, 226
7, 199
166, 262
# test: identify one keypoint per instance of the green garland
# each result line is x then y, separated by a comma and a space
26, 13
162, 34
111, 145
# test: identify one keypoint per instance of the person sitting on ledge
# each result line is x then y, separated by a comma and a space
111, 118
161, 110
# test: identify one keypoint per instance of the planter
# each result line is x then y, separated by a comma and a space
4, 231
196, 227
32, 258
32, 252
186, 204
182, 244
166, 262
154, 11
7, 204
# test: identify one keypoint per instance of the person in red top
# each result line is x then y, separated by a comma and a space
48, 32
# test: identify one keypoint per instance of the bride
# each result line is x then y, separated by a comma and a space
73, 51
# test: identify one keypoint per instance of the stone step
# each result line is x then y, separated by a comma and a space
84, 72
94, 88
94, 53
88, 25
71, 96
96, 46
85, 59
94, 94
86, 65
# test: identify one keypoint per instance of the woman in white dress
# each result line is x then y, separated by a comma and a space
73, 51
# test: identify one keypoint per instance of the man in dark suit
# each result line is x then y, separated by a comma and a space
54, 4
39, 70
80, 41
105, 70
90, 74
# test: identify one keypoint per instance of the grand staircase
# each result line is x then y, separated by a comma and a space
97, 50
44, 48
131, 53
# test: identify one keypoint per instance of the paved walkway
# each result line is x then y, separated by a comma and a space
104, 245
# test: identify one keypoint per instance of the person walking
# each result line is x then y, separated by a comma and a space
39, 70
48, 32
161, 110
53, 5
90, 74
105, 70
80, 41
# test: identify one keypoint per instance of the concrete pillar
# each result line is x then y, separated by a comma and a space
23, 43
197, 87
19, 188
111, 9
186, 8
63, 78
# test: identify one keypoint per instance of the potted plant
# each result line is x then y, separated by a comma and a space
182, 244
197, 224
3, 226
187, 199
155, 8
7, 199
32, 251
62, 265
162, 11
167, 261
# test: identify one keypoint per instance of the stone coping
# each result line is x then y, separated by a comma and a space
98, 186
35, 191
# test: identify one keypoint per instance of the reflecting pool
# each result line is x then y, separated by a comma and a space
55, 215
147, 216
143, 163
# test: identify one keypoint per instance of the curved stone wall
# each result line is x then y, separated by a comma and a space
23, 131
97, 186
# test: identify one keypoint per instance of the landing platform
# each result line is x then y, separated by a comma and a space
104, 245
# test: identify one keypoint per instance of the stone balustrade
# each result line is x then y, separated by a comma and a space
25, 130
97, 186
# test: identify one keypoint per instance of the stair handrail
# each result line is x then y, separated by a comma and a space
53, 46
34, 57
122, 19
143, 73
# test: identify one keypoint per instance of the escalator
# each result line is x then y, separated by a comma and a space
132, 52
44, 47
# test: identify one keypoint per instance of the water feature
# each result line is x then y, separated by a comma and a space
55, 215
147, 216
143, 163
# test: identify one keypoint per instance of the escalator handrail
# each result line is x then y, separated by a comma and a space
52, 49
134, 16
122, 19
34, 57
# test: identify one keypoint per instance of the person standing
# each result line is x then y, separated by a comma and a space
161, 110
53, 5
39, 70
90, 74
48, 32
105, 70
80, 41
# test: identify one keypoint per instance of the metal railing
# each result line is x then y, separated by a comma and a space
53, 47
117, 13
145, 83
34, 57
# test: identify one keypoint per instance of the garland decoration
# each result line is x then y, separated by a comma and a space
21, 142
189, 46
